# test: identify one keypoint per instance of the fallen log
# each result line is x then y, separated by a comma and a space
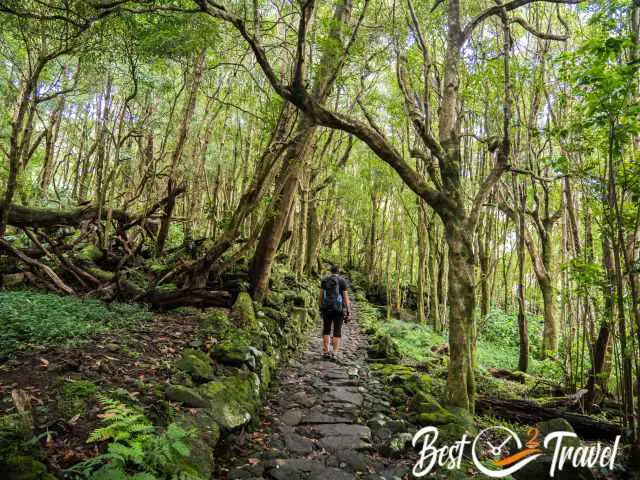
529, 413
124, 289
47, 271
30, 217
504, 374
197, 297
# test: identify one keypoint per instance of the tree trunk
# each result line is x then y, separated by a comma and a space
462, 299
183, 130
523, 330
296, 157
422, 253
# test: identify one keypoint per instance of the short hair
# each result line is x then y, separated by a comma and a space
334, 269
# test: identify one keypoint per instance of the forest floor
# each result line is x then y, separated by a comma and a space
324, 419
60, 378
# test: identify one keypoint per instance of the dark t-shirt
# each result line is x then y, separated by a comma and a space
344, 286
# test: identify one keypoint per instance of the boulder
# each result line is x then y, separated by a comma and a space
196, 363
384, 348
234, 352
541, 467
202, 423
242, 312
275, 314
233, 399
399, 444
185, 395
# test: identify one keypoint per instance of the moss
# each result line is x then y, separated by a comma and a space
185, 395
19, 467
403, 376
384, 348
297, 320
242, 313
196, 363
436, 418
274, 300
202, 424
15, 427
91, 253
234, 352
80, 388
422, 402
234, 399
275, 314
101, 274
215, 322
266, 367
73, 397
167, 288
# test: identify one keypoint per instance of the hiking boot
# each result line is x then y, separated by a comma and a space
326, 355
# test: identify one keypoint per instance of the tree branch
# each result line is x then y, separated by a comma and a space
507, 7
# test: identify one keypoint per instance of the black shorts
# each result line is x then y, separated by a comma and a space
334, 319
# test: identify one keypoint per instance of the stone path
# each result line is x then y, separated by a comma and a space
324, 420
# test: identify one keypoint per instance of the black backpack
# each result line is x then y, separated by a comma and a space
331, 296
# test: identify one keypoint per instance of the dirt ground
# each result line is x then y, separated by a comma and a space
132, 362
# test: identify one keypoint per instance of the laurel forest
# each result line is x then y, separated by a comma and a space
192, 167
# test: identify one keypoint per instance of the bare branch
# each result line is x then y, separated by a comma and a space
507, 7
545, 36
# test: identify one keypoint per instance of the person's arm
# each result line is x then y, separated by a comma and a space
347, 301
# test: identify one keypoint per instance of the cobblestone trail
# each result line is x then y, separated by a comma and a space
325, 419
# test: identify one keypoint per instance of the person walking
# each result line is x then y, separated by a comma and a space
335, 308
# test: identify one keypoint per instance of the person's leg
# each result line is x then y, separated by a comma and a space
337, 333
326, 331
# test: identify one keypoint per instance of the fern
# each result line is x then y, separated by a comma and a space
136, 447
123, 423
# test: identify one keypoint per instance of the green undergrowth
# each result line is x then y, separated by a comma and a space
497, 343
34, 318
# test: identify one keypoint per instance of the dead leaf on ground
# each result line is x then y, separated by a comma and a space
44, 363
21, 399
106, 415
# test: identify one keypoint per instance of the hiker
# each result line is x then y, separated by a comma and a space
335, 307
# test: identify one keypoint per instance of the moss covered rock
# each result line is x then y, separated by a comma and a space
196, 363
233, 399
298, 320
234, 352
185, 395
424, 403
383, 348
242, 313
202, 424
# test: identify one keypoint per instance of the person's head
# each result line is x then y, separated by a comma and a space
334, 269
